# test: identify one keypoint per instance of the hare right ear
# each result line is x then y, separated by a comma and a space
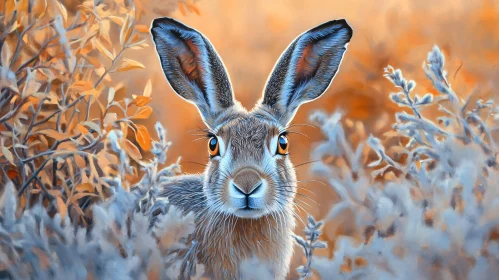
192, 67
306, 69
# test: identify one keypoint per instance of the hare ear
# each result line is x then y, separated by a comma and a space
192, 67
306, 69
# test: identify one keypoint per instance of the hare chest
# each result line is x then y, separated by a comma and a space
235, 248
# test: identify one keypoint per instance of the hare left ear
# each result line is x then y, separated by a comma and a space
306, 69
193, 68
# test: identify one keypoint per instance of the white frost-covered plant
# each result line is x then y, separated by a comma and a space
134, 235
428, 208
309, 244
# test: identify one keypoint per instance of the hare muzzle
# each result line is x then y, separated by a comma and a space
247, 192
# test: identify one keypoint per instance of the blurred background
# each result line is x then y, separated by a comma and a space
250, 36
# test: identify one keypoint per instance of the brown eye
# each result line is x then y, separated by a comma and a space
213, 146
282, 145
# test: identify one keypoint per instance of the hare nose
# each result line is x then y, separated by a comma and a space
247, 181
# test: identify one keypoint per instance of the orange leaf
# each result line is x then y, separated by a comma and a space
124, 129
80, 161
82, 85
143, 138
23, 201
129, 64
12, 174
85, 187
140, 101
143, 113
81, 129
63, 11
142, 28
39, 8
117, 20
103, 49
62, 207
192, 7
131, 149
78, 196
126, 30
6, 54
182, 9
8, 7
148, 89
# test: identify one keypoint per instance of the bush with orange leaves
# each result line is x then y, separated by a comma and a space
67, 142
58, 103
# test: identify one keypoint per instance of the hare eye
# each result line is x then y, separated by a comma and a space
213, 147
282, 145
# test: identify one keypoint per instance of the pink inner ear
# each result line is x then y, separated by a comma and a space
306, 64
188, 60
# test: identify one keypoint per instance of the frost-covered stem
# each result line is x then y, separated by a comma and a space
312, 232
412, 104
309, 251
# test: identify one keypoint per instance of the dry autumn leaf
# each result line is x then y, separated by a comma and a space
103, 49
148, 89
39, 8
129, 64
76, 197
118, 20
6, 54
81, 129
86, 187
192, 7
110, 118
126, 30
143, 138
143, 113
62, 10
31, 86
182, 8
8, 155
82, 85
141, 101
62, 208
132, 150
142, 28
110, 95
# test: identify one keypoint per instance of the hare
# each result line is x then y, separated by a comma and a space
244, 200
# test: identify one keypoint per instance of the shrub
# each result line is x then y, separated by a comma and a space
58, 101
67, 142
427, 208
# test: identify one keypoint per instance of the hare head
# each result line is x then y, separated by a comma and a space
249, 174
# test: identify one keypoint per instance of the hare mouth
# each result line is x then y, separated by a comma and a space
248, 212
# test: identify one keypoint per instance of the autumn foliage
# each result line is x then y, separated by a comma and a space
59, 101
